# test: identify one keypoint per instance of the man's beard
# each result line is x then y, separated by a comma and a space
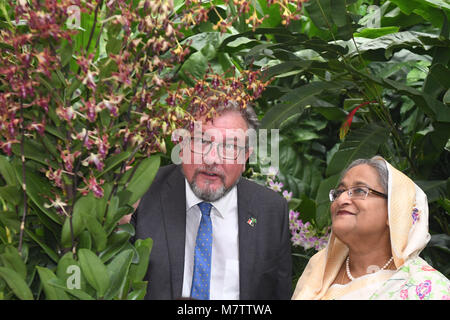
207, 193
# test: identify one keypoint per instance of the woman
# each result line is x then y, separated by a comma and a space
379, 227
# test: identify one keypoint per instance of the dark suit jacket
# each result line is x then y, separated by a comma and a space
265, 262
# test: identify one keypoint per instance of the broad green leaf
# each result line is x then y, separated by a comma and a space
16, 283
438, 80
38, 190
322, 201
12, 259
194, 68
51, 292
202, 40
373, 33
142, 178
295, 102
95, 271
34, 151
430, 10
139, 290
118, 269
361, 143
320, 13
77, 293
434, 189
339, 12
9, 219
11, 193
7, 171
49, 251
96, 230
85, 205
143, 247
307, 209
116, 242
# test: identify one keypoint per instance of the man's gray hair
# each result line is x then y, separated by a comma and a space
247, 113
378, 164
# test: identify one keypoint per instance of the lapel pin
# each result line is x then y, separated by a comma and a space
251, 221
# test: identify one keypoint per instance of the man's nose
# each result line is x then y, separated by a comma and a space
212, 157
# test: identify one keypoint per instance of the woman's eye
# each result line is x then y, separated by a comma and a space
359, 191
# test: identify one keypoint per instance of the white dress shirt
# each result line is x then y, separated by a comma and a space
225, 248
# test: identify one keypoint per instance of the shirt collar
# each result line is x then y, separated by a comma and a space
223, 205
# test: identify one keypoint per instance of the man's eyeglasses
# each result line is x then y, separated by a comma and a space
355, 193
229, 151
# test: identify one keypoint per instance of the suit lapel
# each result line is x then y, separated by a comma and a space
173, 204
247, 239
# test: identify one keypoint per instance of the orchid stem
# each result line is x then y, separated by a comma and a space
24, 184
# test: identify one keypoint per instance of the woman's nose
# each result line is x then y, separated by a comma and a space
343, 198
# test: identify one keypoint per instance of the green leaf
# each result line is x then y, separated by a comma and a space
320, 13
7, 171
116, 242
16, 283
85, 205
52, 254
437, 81
295, 102
142, 178
373, 33
434, 189
12, 259
339, 12
322, 201
77, 293
307, 209
11, 193
194, 68
96, 230
143, 247
361, 143
118, 270
95, 271
38, 190
51, 292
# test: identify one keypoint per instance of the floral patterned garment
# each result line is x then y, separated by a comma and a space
415, 280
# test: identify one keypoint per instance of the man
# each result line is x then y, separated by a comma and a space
215, 234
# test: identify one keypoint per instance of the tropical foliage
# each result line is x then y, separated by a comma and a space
90, 92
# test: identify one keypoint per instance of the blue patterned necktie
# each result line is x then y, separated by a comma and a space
202, 258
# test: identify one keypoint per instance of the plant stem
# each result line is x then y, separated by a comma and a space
24, 184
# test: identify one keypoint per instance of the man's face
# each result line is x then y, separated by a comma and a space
212, 171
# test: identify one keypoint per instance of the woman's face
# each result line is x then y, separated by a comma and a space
360, 218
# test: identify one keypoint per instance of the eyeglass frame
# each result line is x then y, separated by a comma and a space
220, 154
370, 190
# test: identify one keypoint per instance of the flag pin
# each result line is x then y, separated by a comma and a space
251, 221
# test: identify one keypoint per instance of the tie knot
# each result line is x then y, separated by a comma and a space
205, 208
